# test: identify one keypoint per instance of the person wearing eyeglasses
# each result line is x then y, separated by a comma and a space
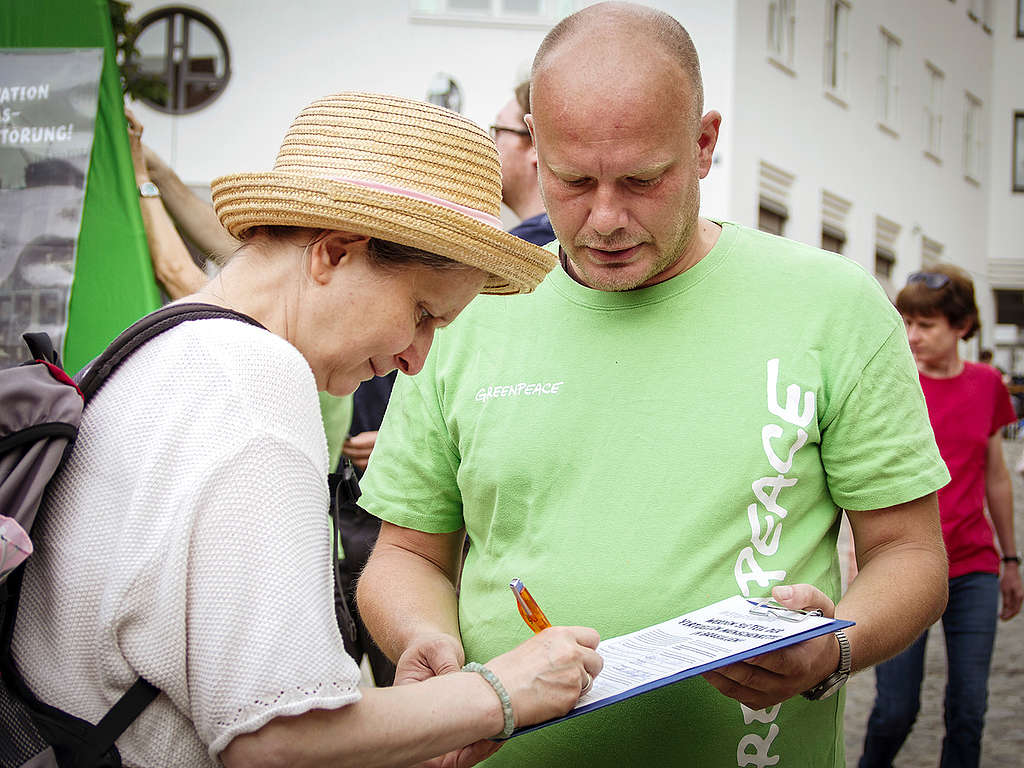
519, 188
968, 406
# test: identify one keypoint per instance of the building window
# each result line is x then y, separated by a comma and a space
933, 111
972, 137
1018, 152
835, 212
889, 81
886, 237
836, 48
832, 239
774, 188
1020, 18
781, 30
184, 49
495, 9
771, 217
885, 260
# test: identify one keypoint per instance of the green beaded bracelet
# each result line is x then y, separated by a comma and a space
506, 702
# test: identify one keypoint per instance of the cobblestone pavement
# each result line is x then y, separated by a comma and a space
1003, 741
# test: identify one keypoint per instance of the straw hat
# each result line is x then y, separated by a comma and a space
392, 168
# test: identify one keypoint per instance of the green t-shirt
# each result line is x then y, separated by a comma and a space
336, 413
636, 455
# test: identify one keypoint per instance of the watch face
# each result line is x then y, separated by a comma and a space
149, 189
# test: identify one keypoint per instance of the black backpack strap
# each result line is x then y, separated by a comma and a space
40, 346
147, 328
97, 741
117, 720
343, 486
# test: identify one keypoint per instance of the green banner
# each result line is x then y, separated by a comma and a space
113, 282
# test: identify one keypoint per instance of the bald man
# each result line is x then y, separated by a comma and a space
674, 417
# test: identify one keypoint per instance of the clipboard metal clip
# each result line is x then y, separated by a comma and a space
768, 607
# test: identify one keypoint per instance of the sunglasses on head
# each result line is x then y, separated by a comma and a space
932, 280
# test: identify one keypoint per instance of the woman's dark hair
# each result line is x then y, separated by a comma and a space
942, 289
384, 253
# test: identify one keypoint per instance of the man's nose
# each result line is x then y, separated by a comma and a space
607, 213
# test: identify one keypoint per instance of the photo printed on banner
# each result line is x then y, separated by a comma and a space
48, 104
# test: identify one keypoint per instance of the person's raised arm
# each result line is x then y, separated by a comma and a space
901, 588
172, 263
407, 598
195, 216
999, 497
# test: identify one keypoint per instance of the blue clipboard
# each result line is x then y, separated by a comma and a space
758, 607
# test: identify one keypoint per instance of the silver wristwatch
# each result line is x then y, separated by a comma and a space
148, 189
837, 679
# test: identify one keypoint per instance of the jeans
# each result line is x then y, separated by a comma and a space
969, 624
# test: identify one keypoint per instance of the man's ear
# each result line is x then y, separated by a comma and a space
330, 249
710, 125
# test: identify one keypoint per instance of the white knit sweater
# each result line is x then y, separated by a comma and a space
186, 541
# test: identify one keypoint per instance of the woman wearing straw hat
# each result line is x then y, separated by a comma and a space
200, 468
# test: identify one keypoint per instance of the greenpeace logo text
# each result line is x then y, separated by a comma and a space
516, 390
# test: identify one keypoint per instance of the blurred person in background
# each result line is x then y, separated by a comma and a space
968, 406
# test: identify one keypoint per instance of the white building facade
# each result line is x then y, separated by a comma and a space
888, 131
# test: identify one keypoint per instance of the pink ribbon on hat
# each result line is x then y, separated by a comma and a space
481, 216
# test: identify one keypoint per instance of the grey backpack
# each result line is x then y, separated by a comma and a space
40, 410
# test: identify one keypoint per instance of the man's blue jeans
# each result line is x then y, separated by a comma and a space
969, 624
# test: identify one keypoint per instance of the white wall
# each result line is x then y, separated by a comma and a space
284, 55
788, 120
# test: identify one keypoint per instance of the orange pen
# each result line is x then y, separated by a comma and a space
528, 608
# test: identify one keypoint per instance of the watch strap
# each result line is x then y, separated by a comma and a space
837, 679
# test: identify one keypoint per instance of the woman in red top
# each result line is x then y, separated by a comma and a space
968, 405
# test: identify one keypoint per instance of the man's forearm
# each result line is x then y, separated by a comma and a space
403, 595
902, 583
195, 216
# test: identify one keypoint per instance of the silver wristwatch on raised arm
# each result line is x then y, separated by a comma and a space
837, 679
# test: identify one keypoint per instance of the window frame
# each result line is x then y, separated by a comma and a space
886, 256
837, 47
776, 212
889, 85
439, 12
933, 112
781, 32
972, 137
1018, 153
830, 232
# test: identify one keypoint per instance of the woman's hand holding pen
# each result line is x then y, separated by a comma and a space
545, 675
544, 678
